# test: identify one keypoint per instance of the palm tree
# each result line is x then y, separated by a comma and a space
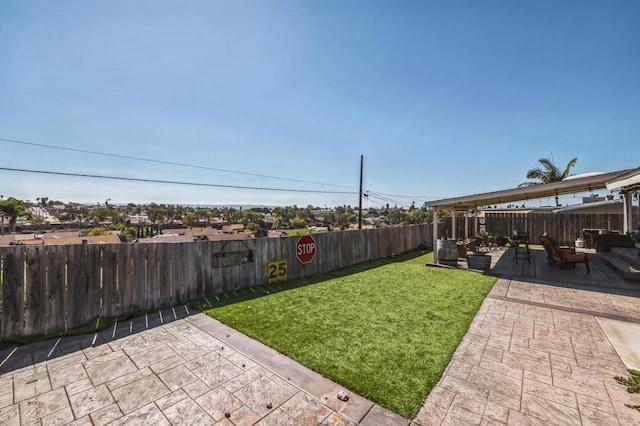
549, 173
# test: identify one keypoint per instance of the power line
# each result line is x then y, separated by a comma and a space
171, 163
130, 179
387, 200
194, 166
411, 197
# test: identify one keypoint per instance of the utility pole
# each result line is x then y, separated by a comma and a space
360, 203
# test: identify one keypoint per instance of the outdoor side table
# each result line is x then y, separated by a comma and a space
522, 249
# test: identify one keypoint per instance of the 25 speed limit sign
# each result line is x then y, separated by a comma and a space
276, 271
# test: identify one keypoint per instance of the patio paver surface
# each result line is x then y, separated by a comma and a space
176, 372
536, 354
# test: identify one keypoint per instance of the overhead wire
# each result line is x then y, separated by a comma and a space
387, 200
132, 179
171, 163
381, 195
411, 197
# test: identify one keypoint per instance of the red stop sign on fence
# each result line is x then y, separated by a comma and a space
306, 248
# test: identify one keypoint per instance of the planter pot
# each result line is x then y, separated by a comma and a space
447, 250
480, 262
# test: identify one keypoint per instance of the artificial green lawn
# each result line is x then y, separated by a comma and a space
384, 329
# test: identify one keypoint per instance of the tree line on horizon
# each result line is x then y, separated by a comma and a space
253, 219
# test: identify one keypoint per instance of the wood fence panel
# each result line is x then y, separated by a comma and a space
125, 279
209, 276
198, 266
198, 285
247, 270
69, 286
396, 237
13, 292
295, 267
138, 282
385, 242
77, 286
404, 238
164, 275
55, 305
338, 255
260, 256
382, 242
189, 271
370, 243
363, 247
410, 237
346, 246
218, 278
566, 227
93, 282
328, 260
322, 257
381, 236
153, 276
227, 272
35, 291
178, 273
109, 281
180, 263
359, 249
325, 254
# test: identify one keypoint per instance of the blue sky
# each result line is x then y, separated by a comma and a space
442, 98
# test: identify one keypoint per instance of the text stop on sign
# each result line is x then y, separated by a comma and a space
306, 248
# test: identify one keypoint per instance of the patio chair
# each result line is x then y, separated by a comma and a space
468, 244
472, 243
562, 256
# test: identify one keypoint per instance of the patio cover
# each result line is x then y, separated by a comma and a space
607, 206
628, 181
568, 186
629, 184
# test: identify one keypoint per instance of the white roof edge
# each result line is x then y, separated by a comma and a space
626, 180
589, 183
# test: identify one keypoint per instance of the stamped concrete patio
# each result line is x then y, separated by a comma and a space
536, 353
169, 368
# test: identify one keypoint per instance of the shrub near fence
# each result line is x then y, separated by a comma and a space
46, 290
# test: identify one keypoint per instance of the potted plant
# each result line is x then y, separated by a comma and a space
479, 261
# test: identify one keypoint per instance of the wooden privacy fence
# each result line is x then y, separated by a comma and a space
565, 227
49, 289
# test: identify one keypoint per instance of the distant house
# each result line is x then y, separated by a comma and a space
67, 240
96, 239
135, 219
166, 238
232, 229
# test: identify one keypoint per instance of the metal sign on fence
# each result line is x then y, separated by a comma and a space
306, 248
276, 271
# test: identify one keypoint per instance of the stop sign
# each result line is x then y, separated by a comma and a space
306, 248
